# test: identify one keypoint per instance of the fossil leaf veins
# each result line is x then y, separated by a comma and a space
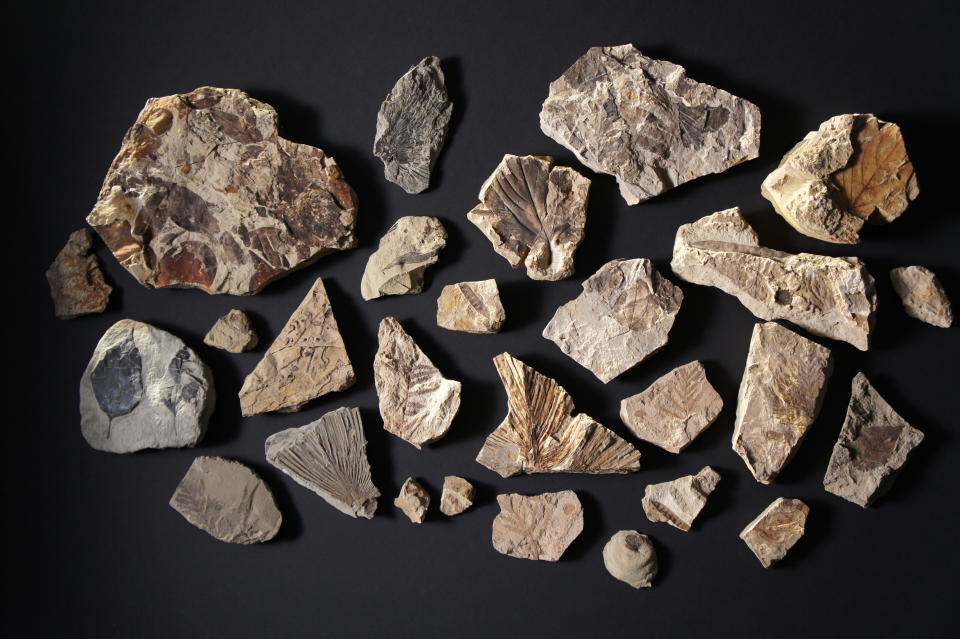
471, 307
398, 265
537, 526
775, 531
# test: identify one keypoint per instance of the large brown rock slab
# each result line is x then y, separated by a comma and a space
76, 282
471, 307
775, 531
398, 265
631, 557
678, 502
537, 526
922, 295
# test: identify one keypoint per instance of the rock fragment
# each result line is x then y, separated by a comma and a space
471, 307
630, 557
76, 282
776, 530
233, 333
328, 456
306, 360
828, 296
853, 169
533, 213
406, 250
541, 435
457, 495
922, 295
874, 444
205, 194
227, 500
678, 502
413, 500
537, 526
143, 388
674, 409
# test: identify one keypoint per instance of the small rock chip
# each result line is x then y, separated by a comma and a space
829, 296
673, 410
232, 332
678, 502
781, 393
307, 360
922, 295
630, 557
406, 250
471, 307
537, 526
413, 500
851, 170
76, 281
457, 495
143, 388
874, 444
205, 194
776, 530
227, 500
646, 123
417, 403
533, 213
329, 457
412, 125
541, 435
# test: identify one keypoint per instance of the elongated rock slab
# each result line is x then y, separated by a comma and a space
227, 500
832, 297
143, 388
76, 281
307, 360
329, 457
874, 444
406, 250
233, 333
646, 123
533, 213
776, 530
417, 403
678, 502
853, 169
471, 307
457, 495
537, 526
541, 435
630, 557
922, 295
205, 194
413, 500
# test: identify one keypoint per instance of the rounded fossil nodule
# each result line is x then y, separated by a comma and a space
630, 557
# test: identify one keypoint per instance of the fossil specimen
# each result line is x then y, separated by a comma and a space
541, 435
457, 495
76, 281
413, 500
922, 295
205, 194
405, 251
630, 557
472, 307
678, 502
232, 332
776, 530
537, 526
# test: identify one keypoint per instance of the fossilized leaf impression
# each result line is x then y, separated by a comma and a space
537, 526
472, 307
775, 531
408, 247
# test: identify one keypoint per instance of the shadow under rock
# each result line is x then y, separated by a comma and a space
292, 525
453, 75
817, 531
721, 499
593, 528
359, 344
381, 461
522, 301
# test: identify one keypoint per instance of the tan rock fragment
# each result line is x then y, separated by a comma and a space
76, 281
678, 502
457, 495
472, 307
537, 526
922, 295
406, 250
630, 557
413, 500
233, 333
776, 530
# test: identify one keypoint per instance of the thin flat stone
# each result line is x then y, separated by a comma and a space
233, 333
457, 495
776, 530
678, 502
630, 557
76, 282
539, 527
413, 500
922, 295
397, 267
471, 307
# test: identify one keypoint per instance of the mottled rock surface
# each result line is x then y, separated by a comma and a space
457, 495
143, 388
533, 213
76, 281
853, 169
406, 250
471, 307
646, 123
413, 500
630, 557
329, 457
829, 296
227, 500
874, 444
540, 434
233, 333
205, 194
922, 295
678, 502
776, 530
537, 526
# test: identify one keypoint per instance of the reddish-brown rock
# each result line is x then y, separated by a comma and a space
76, 281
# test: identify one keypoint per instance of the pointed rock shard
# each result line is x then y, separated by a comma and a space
922, 295
537, 526
776, 530
457, 495
227, 500
471, 307
205, 194
780, 396
405, 251
76, 281
623, 316
541, 435
874, 444
829, 296
143, 388
232, 332
673, 410
851, 170
412, 125
413, 500
306, 360
533, 213
630, 557
678, 502
329, 457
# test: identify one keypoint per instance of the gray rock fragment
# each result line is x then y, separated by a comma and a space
678, 502
922, 295
471, 307
537, 526
413, 500
630, 557
457, 495
406, 250
776, 530
233, 333
76, 282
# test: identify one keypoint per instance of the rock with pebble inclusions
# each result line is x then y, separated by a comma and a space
678, 502
76, 282
405, 251
537, 527
413, 500
630, 557
232, 333
471, 307
457, 495
922, 295
775, 531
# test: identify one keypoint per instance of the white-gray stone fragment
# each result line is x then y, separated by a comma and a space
678, 502
922, 295
406, 250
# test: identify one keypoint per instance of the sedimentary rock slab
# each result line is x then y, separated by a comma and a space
406, 250
417, 403
329, 457
678, 502
922, 295
76, 281
874, 444
233, 333
630, 557
471, 307
413, 500
851, 170
307, 360
412, 125
673, 410
533, 213
537, 526
646, 123
227, 500
829, 296
143, 388
776, 530
205, 194
541, 435
457, 495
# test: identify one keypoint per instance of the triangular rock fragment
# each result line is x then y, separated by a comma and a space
776, 530
471, 307
76, 282
233, 333
922, 295
405, 251
413, 500
538, 526
678, 502
457, 495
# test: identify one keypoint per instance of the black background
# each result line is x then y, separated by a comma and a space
100, 553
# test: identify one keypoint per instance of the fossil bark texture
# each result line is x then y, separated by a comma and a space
537, 526
406, 250
776, 530
471, 307
630, 557
922, 295
457, 495
76, 281
678, 502
232, 332
413, 500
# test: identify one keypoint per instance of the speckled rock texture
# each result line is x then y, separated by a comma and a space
76, 282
